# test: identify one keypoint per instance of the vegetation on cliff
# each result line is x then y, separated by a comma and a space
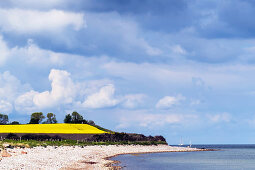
38, 132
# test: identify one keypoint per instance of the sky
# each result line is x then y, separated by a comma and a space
177, 68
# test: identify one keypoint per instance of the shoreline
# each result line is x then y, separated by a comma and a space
112, 165
74, 157
106, 162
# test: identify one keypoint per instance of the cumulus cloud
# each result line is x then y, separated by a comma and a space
10, 88
25, 104
32, 21
62, 92
103, 98
169, 101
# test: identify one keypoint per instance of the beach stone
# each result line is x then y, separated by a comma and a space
6, 145
90, 157
23, 152
5, 154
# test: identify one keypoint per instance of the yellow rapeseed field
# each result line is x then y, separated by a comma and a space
51, 128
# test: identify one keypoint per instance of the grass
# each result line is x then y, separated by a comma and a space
62, 128
34, 143
103, 129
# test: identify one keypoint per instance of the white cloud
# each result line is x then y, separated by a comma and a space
31, 21
223, 117
169, 101
133, 100
101, 99
33, 55
5, 107
213, 76
65, 91
25, 104
177, 49
4, 51
62, 92
150, 50
159, 120
144, 119
10, 86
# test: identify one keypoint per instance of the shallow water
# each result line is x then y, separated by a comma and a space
230, 157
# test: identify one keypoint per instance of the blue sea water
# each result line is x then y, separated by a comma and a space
229, 157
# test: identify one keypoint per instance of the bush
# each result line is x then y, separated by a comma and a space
127, 137
40, 137
12, 136
14, 123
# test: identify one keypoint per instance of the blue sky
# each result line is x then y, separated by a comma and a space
178, 68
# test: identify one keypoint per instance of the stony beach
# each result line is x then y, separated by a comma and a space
75, 157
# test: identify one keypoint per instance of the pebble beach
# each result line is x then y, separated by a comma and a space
75, 157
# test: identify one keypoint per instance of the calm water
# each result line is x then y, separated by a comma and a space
231, 157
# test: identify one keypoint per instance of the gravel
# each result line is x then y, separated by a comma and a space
67, 157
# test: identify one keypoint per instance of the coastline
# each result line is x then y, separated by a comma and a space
112, 163
74, 157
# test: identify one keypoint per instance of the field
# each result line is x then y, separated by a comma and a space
60, 128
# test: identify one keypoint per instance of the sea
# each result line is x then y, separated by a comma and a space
228, 157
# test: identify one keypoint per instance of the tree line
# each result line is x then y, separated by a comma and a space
38, 117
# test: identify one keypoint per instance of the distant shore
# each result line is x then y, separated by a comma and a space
76, 157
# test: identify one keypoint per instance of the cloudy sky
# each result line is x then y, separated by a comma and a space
177, 68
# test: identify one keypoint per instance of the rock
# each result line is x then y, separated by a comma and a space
6, 145
5, 154
23, 152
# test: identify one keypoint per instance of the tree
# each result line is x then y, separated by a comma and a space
14, 123
3, 119
68, 119
36, 118
91, 122
77, 118
51, 118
